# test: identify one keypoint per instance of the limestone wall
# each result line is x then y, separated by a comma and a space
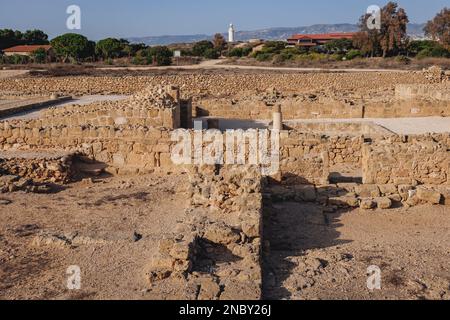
304, 157
424, 91
293, 108
217, 246
407, 160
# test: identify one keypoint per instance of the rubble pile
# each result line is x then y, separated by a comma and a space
220, 238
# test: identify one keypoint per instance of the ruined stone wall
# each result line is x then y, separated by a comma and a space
439, 92
325, 108
304, 157
31, 171
111, 113
334, 128
214, 84
217, 246
415, 107
132, 149
408, 160
291, 108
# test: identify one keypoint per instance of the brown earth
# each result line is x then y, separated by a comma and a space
316, 255
312, 254
104, 216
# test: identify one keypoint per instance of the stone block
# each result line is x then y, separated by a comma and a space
368, 191
428, 195
368, 204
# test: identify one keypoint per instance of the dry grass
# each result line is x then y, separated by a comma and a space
364, 63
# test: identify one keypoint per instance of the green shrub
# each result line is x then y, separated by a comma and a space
336, 57
403, 60
139, 60
200, 48
240, 52
291, 53
159, 55
211, 54
39, 55
273, 47
352, 54
19, 59
263, 56
437, 52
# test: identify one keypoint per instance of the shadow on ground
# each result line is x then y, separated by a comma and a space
290, 229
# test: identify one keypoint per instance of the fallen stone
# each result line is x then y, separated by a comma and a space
368, 191
395, 198
404, 190
384, 203
346, 201
388, 189
305, 193
221, 234
367, 204
428, 195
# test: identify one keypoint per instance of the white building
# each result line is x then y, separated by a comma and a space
231, 34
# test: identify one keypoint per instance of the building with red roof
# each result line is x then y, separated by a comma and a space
313, 40
26, 50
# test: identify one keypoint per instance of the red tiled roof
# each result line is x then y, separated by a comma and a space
324, 36
30, 48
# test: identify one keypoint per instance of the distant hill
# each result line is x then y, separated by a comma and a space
415, 31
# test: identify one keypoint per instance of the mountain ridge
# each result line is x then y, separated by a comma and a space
415, 31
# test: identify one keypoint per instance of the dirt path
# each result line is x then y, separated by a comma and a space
217, 64
104, 222
315, 255
4, 74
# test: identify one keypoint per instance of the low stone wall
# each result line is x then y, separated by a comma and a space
439, 92
217, 247
153, 107
407, 160
133, 149
337, 128
292, 108
326, 108
31, 171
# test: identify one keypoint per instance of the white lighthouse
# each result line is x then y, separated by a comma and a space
231, 34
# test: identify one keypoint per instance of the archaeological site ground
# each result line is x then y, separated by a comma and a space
320, 183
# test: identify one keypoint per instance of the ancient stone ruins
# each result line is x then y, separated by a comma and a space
336, 151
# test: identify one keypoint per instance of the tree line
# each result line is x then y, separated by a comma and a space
389, 40
73, 48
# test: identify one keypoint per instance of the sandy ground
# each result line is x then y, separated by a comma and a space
105, 218
317, 255
4, 74
309, 254
82, 101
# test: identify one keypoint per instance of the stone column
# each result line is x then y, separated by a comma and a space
277, 118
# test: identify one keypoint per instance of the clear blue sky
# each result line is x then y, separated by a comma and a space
103, 18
